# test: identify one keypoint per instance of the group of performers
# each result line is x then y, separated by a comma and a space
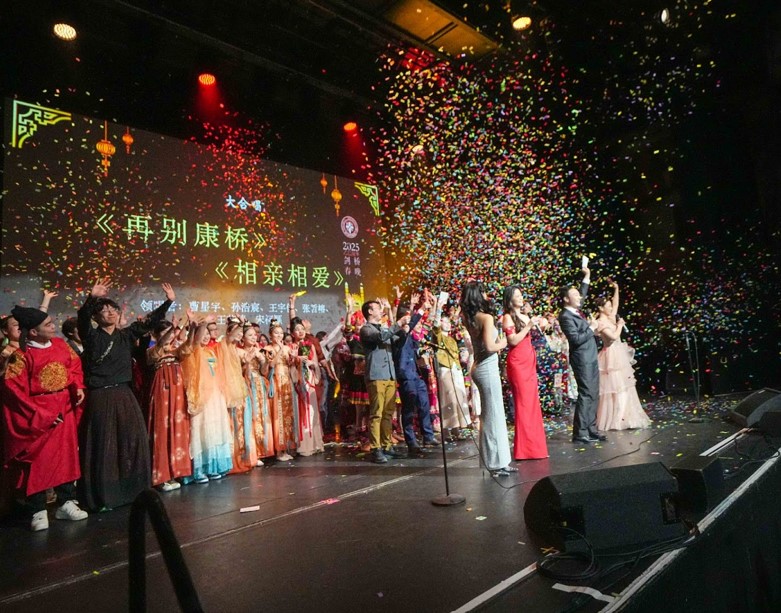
116, 408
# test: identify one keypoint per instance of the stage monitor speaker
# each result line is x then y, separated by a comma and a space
700, 485
749, 411
770, 422
613, 508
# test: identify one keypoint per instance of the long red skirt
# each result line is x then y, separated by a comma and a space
529, 441
169, 425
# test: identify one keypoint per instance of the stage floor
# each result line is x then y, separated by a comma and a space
335, 532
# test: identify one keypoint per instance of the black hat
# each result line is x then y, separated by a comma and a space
28, 318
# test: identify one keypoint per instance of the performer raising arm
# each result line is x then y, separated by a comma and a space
583, 357
43, 387
619, 405
113, 440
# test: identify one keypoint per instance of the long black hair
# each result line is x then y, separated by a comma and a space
473, 302
507, 305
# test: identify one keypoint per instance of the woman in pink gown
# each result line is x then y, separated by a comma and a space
619, 405
529, 443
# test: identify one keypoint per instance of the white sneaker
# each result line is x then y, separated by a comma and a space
284, 457
40, 521
170, 486
260, 463
71, 511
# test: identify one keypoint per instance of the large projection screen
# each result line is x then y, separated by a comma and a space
86, 198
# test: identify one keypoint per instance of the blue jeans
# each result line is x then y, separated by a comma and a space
414, 397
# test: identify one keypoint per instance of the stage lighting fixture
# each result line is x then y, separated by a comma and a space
350, 127
664, 16
207, 78
64, 31
521, 22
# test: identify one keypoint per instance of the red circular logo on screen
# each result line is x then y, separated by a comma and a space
349, 227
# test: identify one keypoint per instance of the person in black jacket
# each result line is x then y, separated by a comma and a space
113, 440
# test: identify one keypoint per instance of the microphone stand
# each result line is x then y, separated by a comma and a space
448, 499
694, 362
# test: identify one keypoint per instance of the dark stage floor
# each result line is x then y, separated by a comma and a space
336, 533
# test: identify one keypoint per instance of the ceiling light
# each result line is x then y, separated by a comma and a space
521, 22
64, 31
207, 78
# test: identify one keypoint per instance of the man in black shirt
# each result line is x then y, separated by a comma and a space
113, 439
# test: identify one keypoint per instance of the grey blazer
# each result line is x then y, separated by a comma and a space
377, 341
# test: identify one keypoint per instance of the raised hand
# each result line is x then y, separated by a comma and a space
414, 299
123, 317
397, 289
190, 315
169, 292
48, 295
101, 287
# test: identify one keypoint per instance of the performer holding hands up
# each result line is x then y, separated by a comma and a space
619, 405
529, 441
579, 331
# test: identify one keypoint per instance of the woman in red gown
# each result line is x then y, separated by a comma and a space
529, 443
168, 420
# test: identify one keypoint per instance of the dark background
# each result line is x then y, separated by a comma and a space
294, 71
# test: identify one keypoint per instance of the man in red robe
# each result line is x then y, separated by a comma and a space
43, 387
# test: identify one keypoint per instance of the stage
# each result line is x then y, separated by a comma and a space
335, 532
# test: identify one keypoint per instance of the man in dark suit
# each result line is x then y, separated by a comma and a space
412, 389
583, 357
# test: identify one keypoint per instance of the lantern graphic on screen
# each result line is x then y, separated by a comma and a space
106, 149
127, 138
324, 183
336, 196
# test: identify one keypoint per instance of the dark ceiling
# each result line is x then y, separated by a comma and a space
304, 67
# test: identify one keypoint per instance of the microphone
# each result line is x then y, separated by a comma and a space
425, 341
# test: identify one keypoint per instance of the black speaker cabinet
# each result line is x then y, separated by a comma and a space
700, 485
749, 411
770, 422
614, 508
